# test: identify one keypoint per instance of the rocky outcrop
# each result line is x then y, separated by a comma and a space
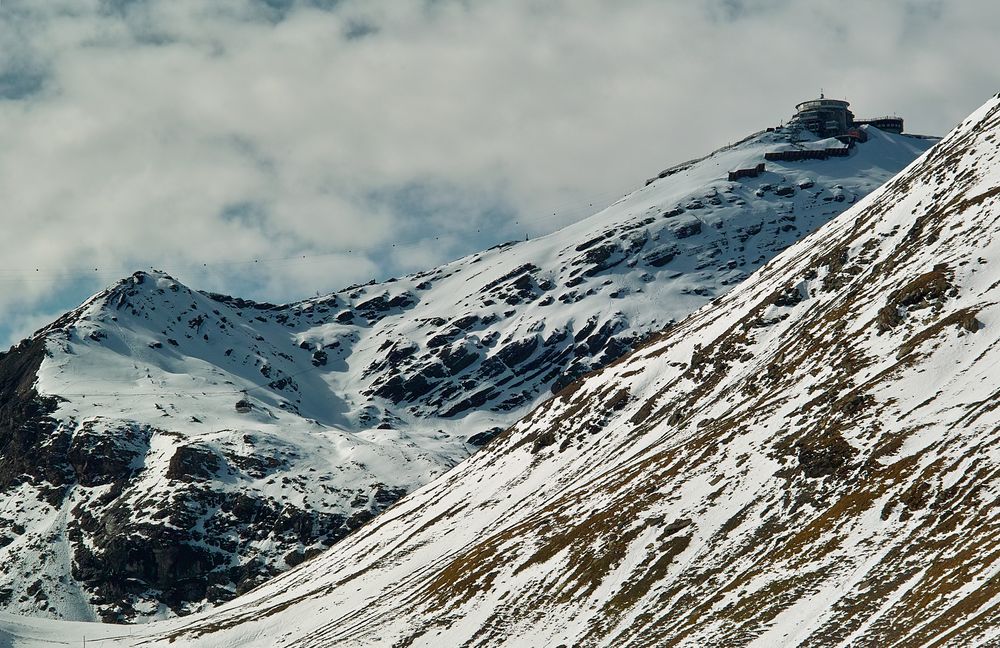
31, 450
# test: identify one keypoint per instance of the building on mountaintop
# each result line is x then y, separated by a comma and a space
825, 117
889, 124
833, 118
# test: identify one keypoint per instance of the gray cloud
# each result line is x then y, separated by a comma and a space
390, 135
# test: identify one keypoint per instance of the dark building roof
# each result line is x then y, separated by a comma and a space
822, 102
888, 124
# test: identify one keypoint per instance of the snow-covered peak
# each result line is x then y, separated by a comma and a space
810, 460
182, 447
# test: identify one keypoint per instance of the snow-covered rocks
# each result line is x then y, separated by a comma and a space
810, 460
166, 449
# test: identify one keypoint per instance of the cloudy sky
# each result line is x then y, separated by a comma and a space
379, 137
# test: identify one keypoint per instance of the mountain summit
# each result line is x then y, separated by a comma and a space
811, 460
163, 449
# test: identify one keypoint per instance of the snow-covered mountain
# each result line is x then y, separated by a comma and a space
163, 448
810, 460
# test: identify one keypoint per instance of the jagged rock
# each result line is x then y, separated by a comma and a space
517, 352
458, 358
483, 438
660, 256
101, 457
193, 463
687, 229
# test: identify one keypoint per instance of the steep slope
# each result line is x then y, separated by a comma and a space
809, 461
134, 487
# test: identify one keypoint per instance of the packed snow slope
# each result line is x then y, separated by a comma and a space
162, 449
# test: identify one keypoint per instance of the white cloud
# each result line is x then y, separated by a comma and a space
171, 132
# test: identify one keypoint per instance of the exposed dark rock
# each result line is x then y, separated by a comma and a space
542, 440
400, 351
385, 497
687, 229
399, 389
465, 323
929, 289
442, 339
788, 296
193, 463
478, 399
601, 258
660, 256
281, 383
458, 358
824, 456
557, 336
590, 243
99, 457
383, 303
598, 339
566, 378
518, 351
484, 437
237, 302
151, 556
516, 272
29, 448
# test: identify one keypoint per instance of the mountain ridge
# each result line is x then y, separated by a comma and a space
808, 461
367, 393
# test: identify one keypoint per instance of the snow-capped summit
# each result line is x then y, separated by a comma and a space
164, 448
811, 460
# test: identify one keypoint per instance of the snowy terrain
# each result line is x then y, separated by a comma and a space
133, 488
811, 460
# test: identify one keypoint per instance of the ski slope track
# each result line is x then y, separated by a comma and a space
133, 488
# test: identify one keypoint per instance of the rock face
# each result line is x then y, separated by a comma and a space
780, 468
26, 427
165, 449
